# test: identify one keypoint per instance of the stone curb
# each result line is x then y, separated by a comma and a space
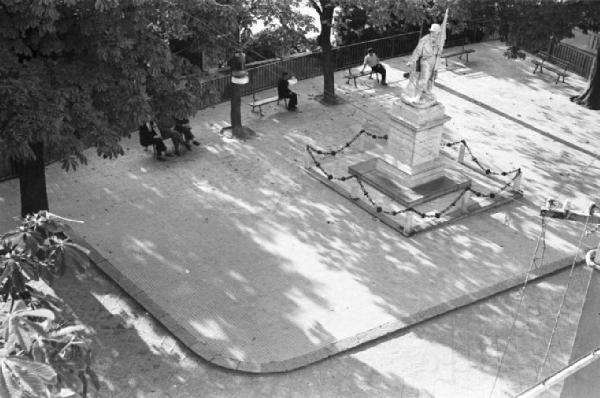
201, 348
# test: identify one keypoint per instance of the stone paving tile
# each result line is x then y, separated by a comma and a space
240, 313
151, 192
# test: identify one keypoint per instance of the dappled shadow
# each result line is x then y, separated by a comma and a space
467, 349
136, 357
264, 264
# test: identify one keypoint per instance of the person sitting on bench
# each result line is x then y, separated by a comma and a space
167, 131
283, 91
149, 136
183, 127
373, 62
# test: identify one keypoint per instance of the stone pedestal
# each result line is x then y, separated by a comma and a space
409, 168
413, 144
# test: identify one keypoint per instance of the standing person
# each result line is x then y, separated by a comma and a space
283, 91
149, 136
373, 61
422, 64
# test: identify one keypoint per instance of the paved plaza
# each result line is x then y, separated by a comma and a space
255, 266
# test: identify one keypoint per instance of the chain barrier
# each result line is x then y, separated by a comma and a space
312, 150
486, 170
334, 152
432, 214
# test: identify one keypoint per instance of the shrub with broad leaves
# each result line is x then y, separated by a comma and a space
43, 352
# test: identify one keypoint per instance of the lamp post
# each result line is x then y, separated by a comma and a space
239, 77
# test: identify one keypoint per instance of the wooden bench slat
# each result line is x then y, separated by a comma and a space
264, 101
460, 53
455, 53
552, 64
259, 103
352, 76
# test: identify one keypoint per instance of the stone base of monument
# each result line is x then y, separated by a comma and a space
406, 182
410, 223
410, 189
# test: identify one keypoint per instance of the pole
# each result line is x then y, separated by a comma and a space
441, 42
560, 375
239, 77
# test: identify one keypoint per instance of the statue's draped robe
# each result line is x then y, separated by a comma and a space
423, 58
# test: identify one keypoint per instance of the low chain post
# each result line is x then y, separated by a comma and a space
308, 161
566, 205
463, 203
408, 222
517, 182
461, 153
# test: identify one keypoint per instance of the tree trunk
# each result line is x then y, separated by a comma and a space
591, 97
328, 66
236, 112
237, 130
32, 182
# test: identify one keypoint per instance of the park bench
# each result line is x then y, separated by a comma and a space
460, 53
260, 103
352, 76
552, 64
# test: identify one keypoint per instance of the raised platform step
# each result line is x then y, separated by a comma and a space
375, 172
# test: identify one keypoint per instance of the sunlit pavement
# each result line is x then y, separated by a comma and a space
264, 266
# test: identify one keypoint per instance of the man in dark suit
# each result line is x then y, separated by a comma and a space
149, 136
284, 91
183, 127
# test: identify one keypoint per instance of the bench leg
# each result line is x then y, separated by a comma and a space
260, 110
467, 54
355, 86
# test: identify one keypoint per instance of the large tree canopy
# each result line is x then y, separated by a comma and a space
84, 73
226, 26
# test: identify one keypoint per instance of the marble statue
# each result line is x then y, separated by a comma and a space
423, 65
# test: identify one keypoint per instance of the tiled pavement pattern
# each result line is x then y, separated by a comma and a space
454, 355
228, 208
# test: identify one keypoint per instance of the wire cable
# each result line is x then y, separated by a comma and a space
555, 327
519, 305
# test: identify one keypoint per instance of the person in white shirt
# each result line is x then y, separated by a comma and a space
373, 62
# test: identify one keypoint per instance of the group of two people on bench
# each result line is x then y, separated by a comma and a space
180, 134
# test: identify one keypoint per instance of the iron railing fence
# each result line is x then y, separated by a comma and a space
304, 66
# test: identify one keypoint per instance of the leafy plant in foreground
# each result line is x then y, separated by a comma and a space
42, 352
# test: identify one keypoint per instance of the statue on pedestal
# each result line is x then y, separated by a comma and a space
423, 65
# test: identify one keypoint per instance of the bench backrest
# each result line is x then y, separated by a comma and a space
561, 63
